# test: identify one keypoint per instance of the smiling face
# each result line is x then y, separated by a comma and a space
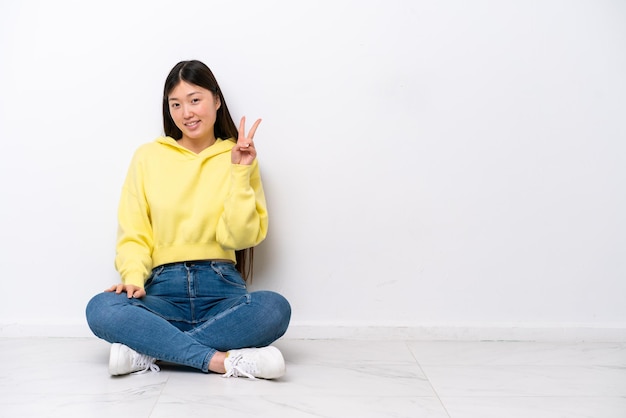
194, 109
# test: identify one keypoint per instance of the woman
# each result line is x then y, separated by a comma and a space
192, 208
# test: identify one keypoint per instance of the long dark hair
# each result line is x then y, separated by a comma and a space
197, 73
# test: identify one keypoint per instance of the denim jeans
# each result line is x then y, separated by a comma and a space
190, 311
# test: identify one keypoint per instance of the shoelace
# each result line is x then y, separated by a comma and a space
238, 368
144, 363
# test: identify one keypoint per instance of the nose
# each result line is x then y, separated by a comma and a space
187, 113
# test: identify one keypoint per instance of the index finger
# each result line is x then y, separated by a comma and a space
242, 129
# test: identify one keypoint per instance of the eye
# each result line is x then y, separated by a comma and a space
174, 105
195, 100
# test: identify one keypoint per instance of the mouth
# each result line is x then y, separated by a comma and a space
192, 124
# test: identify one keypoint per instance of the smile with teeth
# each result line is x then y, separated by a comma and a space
192, 124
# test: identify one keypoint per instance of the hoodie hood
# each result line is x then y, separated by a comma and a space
219, 147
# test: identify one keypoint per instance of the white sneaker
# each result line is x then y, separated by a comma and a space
265, 363
124, 360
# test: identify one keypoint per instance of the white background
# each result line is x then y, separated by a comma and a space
426, 163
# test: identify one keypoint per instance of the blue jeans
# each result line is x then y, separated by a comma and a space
191, 310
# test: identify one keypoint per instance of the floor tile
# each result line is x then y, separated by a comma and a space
519, 353
69, 405
299, 406
345, 352
558, 381
68, 377
536, 407
313, 380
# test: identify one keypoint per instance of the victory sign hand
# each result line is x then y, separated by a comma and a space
244, 151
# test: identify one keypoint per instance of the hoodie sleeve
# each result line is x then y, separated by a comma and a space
133, 259
243, 224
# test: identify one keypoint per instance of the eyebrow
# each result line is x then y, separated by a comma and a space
190, 94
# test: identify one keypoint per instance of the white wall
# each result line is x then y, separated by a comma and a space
427, 164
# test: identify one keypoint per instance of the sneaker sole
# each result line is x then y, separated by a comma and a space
114, 366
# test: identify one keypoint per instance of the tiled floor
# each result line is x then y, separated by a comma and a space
47, 377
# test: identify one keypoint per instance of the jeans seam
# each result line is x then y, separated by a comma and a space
221, 315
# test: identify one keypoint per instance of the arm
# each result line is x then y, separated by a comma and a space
243, 223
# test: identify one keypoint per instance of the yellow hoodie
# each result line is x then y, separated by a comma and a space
180, 206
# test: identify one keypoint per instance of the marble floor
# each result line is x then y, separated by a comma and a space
67, 377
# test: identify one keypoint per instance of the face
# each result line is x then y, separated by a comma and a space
193, 109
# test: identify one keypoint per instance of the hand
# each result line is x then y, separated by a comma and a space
132, 291
244, 151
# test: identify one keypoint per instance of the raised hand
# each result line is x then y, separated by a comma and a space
244, 151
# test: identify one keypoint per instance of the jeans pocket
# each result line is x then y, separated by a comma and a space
153, 276
229, 274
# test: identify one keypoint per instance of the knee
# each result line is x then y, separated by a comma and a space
279, 311
100, 309
94, 308
284, 306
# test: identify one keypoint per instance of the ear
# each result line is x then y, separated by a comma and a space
218, 102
